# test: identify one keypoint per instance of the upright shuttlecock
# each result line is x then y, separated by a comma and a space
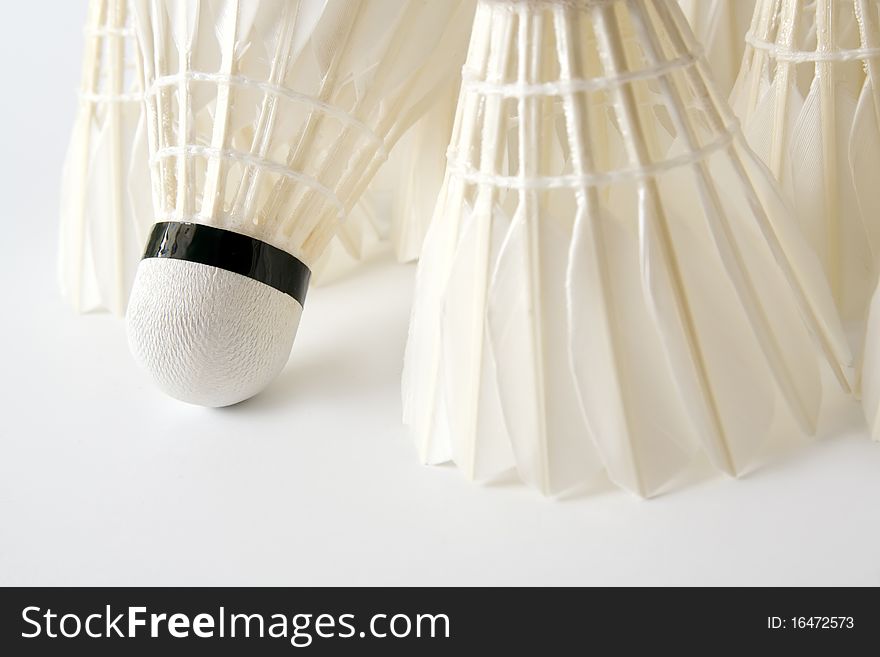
721, 26
809, 100
105, 195
610, 278
266, 121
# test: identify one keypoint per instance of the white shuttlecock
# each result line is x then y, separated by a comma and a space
105, 201
105, 195
610, 278
721, 26
266, 121
809, 101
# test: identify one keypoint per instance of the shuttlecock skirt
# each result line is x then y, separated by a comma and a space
611, 279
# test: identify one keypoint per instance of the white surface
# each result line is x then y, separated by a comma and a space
104, 480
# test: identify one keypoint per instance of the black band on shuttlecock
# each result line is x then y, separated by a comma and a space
230, 251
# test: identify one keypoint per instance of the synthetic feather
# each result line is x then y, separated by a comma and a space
271, 117
864, 162
720, 26
870, 373
106, 207
103, 219
419, 164
606, 236
805, 95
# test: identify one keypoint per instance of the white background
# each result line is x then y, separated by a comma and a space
105, 481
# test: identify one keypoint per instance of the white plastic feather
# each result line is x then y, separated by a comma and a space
106, 194
807, 96
419, 163
267, 118
864, 151
611, 279
105, 213
870, 369
407, 185
721, 25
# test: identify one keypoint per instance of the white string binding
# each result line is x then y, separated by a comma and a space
809, 56
174, 80
468, 173
573, 4
470, 81
251, 161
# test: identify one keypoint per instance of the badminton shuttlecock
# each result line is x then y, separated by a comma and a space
266, 121
610, 278
106, 208
721, 26
105, 196
809, 101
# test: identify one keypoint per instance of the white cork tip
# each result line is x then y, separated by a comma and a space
206, 335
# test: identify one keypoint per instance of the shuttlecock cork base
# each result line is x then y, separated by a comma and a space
213, 313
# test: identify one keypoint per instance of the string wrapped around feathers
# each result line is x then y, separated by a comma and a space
105, 193
809, 101
610, 279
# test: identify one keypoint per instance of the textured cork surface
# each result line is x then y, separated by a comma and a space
208, 336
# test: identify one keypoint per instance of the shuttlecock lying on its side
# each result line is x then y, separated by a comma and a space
721, 26
809, 101
105, 191
266, 121
610, 278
